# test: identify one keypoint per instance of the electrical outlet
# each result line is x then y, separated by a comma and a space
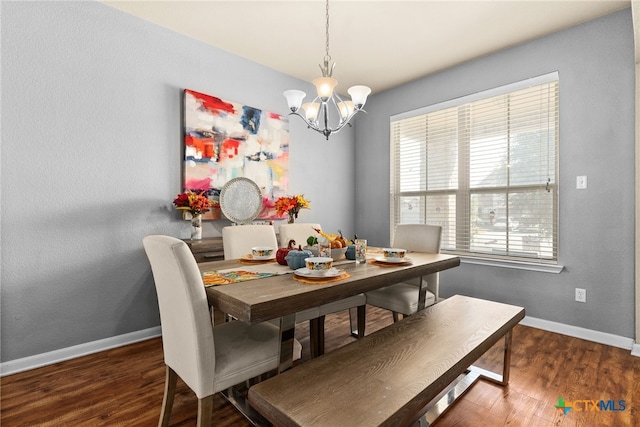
581, 295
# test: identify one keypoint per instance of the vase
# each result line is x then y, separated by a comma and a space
292, 218
196, 227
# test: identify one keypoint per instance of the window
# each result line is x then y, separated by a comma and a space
484, 167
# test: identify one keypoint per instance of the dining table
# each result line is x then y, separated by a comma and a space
255, 292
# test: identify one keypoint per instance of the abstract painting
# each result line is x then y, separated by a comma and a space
225, 140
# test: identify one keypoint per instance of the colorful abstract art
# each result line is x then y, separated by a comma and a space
225, 140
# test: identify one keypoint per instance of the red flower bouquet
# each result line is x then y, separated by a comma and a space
195, 204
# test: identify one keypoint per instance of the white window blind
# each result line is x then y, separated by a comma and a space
484, 167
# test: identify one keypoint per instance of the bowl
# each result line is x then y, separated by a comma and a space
318, 263
394, 253
338, 253
262, 252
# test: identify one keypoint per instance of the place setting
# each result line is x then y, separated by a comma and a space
259, 255
391, 257
319, 270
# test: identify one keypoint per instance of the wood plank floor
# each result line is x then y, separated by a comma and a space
124, 386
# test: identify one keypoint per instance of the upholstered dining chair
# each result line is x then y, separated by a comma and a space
300, 232
207, 357
237, 240
403, 297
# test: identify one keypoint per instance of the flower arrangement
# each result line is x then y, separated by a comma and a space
194, 203
291, 205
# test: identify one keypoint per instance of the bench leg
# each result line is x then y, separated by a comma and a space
503, 379
445, 399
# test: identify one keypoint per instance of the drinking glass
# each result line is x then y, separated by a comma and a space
361, 250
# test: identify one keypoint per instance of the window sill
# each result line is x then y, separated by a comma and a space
543, 268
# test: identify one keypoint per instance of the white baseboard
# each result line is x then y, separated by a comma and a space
585, 334
51, 357
44, 359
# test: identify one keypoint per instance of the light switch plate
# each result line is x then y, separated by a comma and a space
581, 182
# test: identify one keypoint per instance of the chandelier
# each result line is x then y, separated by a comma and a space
316, 112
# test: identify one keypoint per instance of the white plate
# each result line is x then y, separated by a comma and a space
305, 272
392, 260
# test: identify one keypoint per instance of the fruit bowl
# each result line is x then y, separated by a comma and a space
336, 254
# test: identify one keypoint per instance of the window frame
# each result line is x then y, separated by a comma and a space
463, 193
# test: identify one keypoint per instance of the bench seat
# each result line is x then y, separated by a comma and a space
390, 377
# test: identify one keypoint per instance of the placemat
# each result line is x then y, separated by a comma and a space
320, 280
247, 259
389, 264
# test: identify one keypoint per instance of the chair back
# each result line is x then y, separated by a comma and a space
237, 240
418, 237
299, 232
421, 238
187, 329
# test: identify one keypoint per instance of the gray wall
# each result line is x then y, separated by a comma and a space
90, 163
595, 61
91, 146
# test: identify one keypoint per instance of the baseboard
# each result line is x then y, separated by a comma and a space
44, 359
51, 357
582, 333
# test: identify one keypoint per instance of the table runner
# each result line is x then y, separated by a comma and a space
250, 272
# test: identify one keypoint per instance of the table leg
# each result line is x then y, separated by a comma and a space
422, 294
316, 336
287, 335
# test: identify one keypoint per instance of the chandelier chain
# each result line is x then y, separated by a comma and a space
327, 56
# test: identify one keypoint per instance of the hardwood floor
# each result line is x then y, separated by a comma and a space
124, 386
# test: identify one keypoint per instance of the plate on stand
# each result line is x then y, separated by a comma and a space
241, 200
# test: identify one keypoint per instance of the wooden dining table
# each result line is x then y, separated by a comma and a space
280, 296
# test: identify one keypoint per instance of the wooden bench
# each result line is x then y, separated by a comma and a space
396, 375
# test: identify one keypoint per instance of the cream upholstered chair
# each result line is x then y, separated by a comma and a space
300, 232
208, 358
237, 240
403, 297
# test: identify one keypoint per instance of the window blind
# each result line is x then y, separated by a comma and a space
485, 168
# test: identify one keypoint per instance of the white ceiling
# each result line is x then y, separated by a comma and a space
380, 44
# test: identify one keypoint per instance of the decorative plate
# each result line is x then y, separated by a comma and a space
241, 200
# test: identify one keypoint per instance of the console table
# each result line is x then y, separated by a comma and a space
206, 249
